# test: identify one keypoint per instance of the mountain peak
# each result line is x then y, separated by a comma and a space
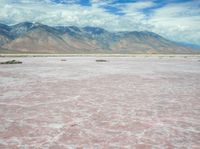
23, 24
94, 30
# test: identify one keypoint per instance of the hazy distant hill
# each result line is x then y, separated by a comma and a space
38, 38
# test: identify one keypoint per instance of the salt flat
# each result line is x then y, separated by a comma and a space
127, 102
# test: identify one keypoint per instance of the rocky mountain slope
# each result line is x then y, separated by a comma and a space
40, 38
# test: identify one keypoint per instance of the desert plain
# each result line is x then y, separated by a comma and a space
132, 102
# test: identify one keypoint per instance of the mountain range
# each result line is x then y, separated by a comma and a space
27, 37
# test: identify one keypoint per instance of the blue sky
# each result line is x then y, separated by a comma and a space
178, 20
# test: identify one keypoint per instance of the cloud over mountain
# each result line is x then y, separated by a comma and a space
174, 19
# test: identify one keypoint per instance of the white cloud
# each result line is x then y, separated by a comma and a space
179, 22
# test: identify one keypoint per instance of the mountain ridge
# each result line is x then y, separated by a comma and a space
37, 37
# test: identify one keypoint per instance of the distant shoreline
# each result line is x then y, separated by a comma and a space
98, 55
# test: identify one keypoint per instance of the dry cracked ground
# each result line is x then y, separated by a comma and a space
127, 102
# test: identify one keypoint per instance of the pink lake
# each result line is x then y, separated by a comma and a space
125, 103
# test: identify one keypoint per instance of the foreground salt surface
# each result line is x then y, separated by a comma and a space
139, 102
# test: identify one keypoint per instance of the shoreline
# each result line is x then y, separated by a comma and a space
99, 55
